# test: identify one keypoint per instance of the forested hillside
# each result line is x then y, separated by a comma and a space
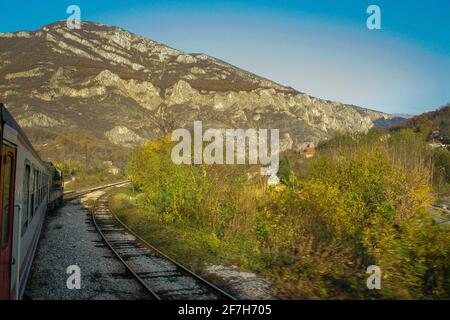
429, 122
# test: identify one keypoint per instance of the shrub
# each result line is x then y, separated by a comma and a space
201, 195
363, 201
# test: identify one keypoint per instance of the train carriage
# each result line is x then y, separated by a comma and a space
56, 186
25, 182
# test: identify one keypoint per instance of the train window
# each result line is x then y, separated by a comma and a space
33, 178
26, 198
38, 189
42, 186
46, 186
36, 178
7, 184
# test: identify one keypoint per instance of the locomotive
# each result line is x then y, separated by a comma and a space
29, 187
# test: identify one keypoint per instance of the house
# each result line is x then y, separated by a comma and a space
308, 152
435, 140
111, 168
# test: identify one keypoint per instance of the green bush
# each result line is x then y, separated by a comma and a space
363, 201
200, 195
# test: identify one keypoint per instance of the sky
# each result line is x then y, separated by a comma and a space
320, 47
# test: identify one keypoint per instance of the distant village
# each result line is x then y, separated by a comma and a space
436, 140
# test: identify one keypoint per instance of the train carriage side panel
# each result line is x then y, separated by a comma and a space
30, 203
56, 186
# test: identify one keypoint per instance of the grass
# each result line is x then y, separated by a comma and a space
192, 247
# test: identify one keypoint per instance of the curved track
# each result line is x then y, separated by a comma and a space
161, 276
71, 195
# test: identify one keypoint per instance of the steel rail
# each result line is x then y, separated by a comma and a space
128, 267
71, 195
215, 289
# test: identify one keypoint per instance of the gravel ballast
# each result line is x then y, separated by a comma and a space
70, 238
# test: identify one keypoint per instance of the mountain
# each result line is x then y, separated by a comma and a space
432, 124
122, 89
388, 122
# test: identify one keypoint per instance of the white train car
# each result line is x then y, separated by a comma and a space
24, 187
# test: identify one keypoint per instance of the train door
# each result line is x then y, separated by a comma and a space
7, 179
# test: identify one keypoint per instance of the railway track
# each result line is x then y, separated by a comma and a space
71, 195
161, 276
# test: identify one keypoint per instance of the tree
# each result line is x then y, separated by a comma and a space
285, 173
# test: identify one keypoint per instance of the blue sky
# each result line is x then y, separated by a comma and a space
321, 47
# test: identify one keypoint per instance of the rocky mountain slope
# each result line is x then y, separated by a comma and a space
124, 89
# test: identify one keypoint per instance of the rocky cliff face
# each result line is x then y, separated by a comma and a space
126, 89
